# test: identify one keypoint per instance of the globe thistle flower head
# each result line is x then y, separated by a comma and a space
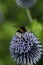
26, 3
26, 49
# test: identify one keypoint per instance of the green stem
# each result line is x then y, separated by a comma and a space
29, 15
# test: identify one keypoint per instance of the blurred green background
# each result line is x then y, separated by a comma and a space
11, 14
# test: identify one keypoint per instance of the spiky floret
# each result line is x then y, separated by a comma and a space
26, 3
26, 50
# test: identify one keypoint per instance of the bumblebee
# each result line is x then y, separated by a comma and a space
21, 30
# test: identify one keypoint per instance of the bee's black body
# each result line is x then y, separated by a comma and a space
22, 29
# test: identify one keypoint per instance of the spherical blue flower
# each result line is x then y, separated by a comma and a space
26, 3
26, 49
